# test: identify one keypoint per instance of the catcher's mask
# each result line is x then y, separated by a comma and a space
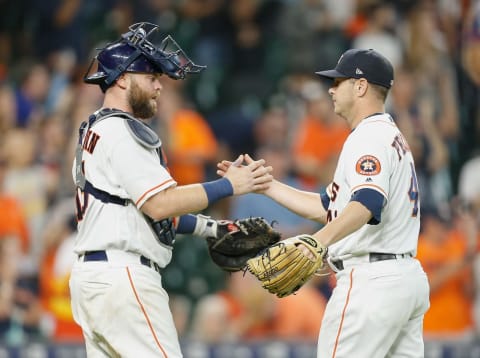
136, 51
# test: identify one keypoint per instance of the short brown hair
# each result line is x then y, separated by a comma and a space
380, 91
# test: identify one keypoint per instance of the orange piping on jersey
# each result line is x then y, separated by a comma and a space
155, 187
369, 185
343, 314
145, 313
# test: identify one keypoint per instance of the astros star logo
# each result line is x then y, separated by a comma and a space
368, 165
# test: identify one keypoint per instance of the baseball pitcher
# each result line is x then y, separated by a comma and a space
371, 212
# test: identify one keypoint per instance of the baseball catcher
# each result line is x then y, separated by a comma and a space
231, 243
129, 207
285, 266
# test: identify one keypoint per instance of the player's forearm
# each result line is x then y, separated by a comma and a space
353, 217
303, 203
176, 201
186, 199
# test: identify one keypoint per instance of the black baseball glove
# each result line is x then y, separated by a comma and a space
239, 240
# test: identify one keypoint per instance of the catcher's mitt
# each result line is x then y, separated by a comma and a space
239, 240
283, 268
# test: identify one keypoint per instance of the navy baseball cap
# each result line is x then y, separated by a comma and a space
360, 63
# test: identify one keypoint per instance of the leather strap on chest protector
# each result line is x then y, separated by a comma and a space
164, 229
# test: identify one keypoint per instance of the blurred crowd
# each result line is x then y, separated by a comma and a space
258, 96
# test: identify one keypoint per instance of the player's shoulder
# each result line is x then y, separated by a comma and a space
377, 120
111, 128
126, 128
378, 127
375, 133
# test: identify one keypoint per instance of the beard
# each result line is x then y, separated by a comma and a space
141, 102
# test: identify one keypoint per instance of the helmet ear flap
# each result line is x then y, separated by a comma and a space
95, 77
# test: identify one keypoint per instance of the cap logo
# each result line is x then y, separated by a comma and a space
340, 59
358, 71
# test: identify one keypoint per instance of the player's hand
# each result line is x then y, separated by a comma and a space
264, 190
253, 176
223, 166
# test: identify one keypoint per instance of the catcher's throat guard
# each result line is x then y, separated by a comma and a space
142, 133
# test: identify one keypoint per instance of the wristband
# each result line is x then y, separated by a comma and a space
186, 224
217, 189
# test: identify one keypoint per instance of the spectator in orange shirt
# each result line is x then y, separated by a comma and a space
237, 312
191, 142
12, 219
55, 267
298, 317
319, 137
447, 254
13, 241
245, 311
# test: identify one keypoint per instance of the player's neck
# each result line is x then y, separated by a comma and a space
365, 112
115, 100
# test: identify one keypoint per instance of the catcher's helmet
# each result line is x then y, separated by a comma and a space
136, 52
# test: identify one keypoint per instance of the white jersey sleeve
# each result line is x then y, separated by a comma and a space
139, 173
367, 164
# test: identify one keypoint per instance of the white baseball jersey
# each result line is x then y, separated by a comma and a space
376, 156
113, 161
376, 308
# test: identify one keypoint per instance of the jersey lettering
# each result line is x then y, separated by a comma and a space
332, 214
401, 146
81, 203
413, 191
91, 139
334, 188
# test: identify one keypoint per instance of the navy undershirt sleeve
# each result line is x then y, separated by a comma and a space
325, 199
373, 201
